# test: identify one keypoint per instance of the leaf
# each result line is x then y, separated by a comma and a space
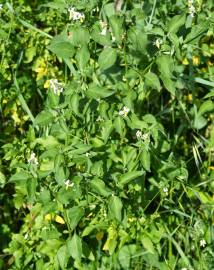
2, 178
119, 125
115, 206
97, 92
129, 176
165, 65
82, 57
148, 245
99, 187
169, 84
74, 216
79, 36
145, 159
44, 118
205, 107
62, 256
107, 58
20, 176
116, 23
75, 247
152, 80
61, 46
176, 22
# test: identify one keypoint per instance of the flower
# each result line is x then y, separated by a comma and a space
33, 160
192, 9
124, 112
68, 184
87, 154
56, 86
202, 243
139, 134
1, 6
103, 27
158, 43
75, 15
142, 137
165, 190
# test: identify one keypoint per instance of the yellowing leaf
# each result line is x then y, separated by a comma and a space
48, 217
59, 219
99, 235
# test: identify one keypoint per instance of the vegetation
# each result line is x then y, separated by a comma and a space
107, 137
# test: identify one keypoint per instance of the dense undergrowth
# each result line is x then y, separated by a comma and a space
106, 135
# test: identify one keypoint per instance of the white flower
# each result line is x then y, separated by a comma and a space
88, 154
165, 190
158, 43
1, 6
139, 134
99, 119
33, 160
56, 86
202, 243
192, 9
75, 15
103, 32
68, 184
142, 137
104, 26
124, 112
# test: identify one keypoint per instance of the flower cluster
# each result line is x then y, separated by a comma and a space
124, 112
33, 160
75, 15
141, 136
56, 86
191, 7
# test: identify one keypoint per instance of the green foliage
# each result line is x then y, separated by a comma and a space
109, 108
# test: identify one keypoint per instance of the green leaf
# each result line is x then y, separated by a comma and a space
145, 159
165, 65
99, 187
169, 84
107, 58
129, 176
79, 36
176, 22
207, 106
2, 178
116, 23
97, 92
152, 80
44, 118
62, 256
119, 126
82, 57
20, 176
61, 46
148, 245
74, 216
75, 247
115, 207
